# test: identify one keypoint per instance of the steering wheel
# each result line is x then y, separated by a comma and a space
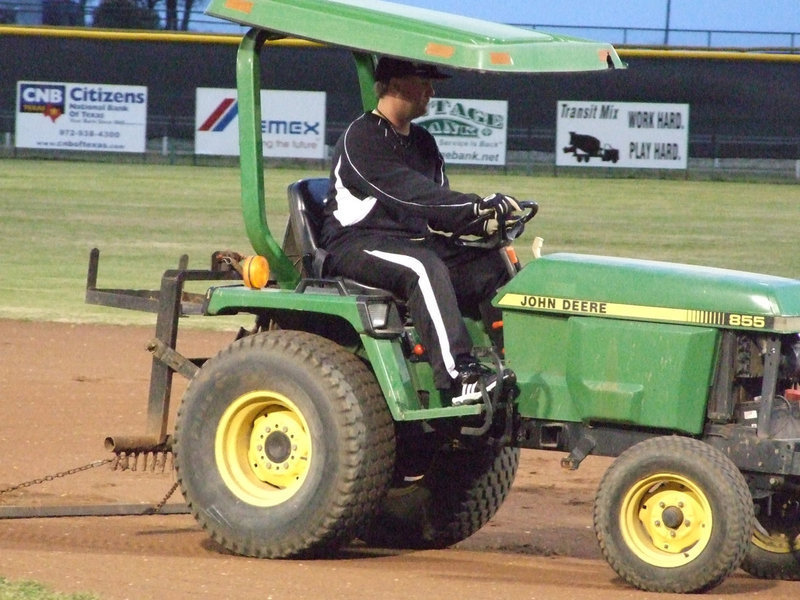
509, 227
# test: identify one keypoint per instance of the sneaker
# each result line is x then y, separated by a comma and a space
469, 370
470, 388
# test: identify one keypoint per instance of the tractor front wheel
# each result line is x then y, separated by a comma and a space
774, 551
673, 514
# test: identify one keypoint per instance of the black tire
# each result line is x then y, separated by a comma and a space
284, 446
458, 492
774, 551
673, 514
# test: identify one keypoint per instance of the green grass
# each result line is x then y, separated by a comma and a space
30, 590
143, 217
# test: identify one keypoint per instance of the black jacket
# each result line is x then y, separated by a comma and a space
383, 181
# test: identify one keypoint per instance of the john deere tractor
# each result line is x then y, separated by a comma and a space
321, 424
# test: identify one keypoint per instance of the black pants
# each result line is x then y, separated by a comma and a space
439, 281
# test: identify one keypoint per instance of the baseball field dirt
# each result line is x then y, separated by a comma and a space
65, 387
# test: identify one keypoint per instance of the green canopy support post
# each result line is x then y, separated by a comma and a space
248, 75
365, 67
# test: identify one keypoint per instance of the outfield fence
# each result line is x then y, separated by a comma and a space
745, 118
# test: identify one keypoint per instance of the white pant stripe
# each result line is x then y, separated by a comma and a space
430, 301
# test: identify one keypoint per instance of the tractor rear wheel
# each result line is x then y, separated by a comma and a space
451, 497
774, 551
284, 445
673, 514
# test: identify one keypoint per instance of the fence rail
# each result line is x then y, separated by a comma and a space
690, 38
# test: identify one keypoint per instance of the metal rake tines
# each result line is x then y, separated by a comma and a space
152, 462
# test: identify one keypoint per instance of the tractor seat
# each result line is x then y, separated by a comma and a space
307, 198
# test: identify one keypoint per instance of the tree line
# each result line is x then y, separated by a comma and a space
171, 15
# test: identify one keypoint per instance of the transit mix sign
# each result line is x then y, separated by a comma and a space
81, 116
622, 134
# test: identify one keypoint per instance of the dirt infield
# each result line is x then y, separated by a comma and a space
64, 388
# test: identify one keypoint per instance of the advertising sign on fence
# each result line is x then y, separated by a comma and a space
468, 131
622, 134
81, 116
292, 123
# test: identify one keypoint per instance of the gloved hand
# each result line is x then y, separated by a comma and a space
483, 228
499, 204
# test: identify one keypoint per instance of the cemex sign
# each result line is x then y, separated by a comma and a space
292, 123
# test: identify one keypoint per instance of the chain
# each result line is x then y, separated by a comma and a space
46, 478
97, 463
157, 508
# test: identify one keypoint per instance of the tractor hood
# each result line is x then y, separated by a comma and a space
654, 291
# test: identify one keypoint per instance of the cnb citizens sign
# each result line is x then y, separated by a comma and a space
468, 131
622, 134
81, 116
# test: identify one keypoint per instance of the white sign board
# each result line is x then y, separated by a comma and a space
81, 116
622, 134
468, 131
293, 123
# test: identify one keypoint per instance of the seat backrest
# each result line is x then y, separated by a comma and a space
307, 199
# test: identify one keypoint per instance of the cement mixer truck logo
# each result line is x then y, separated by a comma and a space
584, 147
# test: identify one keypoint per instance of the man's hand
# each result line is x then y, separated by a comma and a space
482, 227
489, 227
499, 204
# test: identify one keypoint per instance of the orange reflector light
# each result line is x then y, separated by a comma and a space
500, 58
255, 272
512, 255
418, 350
440, 50
240, 5
497, 325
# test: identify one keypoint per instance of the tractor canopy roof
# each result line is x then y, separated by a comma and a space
417, 34
369, 29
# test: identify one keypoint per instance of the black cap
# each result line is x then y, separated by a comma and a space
394, 67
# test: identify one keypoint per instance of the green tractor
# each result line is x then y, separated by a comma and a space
321, 424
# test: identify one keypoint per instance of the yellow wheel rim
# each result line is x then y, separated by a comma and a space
775, 541
263, 448
666, 520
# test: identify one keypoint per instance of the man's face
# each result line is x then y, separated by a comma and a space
416, 91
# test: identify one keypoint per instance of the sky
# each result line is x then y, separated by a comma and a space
605, 15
